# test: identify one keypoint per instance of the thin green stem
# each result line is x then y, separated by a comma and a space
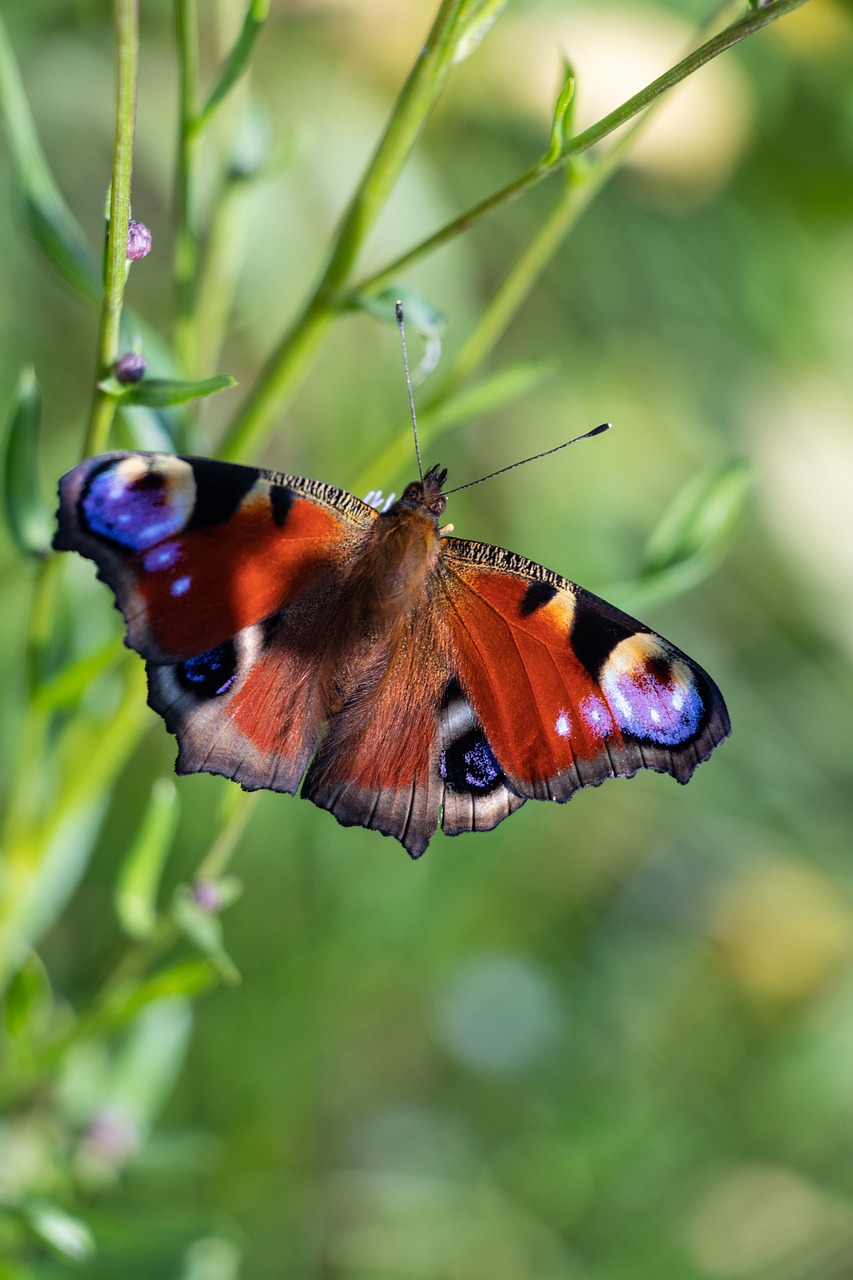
186, 249
127, 64
237, 62
416, 102
227, 238
237, 810
747, 26
581, 187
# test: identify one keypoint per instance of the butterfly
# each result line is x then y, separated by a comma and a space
407, 679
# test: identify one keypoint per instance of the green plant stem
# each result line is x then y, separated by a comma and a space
223, 259
288, 361
237, 812
581, 186
747, 26
237, 63
127, 63
186, 249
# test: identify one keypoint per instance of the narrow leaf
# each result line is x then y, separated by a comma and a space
159, 393
691, 539
67, 687
702, 519
561, 125
212, 1258
238, 60
490, 393
205, 930
48, 217
421, 315
139, 877
28, 997
67, 1236
184, 978
147, 1064
481, 17
26, 515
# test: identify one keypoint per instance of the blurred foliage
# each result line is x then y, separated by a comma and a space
602, 1042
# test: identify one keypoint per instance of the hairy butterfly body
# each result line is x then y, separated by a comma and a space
407, 679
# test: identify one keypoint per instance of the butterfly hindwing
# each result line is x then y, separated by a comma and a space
378, 764
477, 795
569, 689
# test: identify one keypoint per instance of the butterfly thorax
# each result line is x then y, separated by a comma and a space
389, 580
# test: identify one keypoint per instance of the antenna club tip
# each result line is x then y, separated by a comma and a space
605, 426
398, 311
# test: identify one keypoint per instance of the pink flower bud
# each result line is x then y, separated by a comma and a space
138, 240
130, 367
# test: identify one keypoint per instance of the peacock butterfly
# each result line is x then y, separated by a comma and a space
408, 679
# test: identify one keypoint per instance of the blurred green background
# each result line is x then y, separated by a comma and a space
607, 1041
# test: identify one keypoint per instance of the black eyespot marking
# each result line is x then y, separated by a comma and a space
595, 634
210, 674
219, 491
281, 500
468, 764
270, 627
536, 595
452, 693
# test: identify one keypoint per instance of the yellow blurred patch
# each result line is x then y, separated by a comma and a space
818, 28
755, 1217
783, 930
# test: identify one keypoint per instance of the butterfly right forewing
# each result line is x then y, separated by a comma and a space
570, 690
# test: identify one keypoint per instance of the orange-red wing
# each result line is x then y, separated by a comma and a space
570, 690
378, 763
197, 550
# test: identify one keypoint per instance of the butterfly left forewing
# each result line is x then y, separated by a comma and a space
570, 690
227, 577
196, 550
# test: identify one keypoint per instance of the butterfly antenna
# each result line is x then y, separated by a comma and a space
596, 431
401, 327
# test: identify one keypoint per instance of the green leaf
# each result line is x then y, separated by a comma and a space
483, 397
205, 930
159, 393
692, 537
489, 394
238, 60
561, 125
26, 515
184, 978
420, 315
28, 997
67, 687
147, 1064
139, 877
48, 217
212, 1258
480, 18
702, 519
66, 1235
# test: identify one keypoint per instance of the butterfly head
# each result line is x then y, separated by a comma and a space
424, 495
